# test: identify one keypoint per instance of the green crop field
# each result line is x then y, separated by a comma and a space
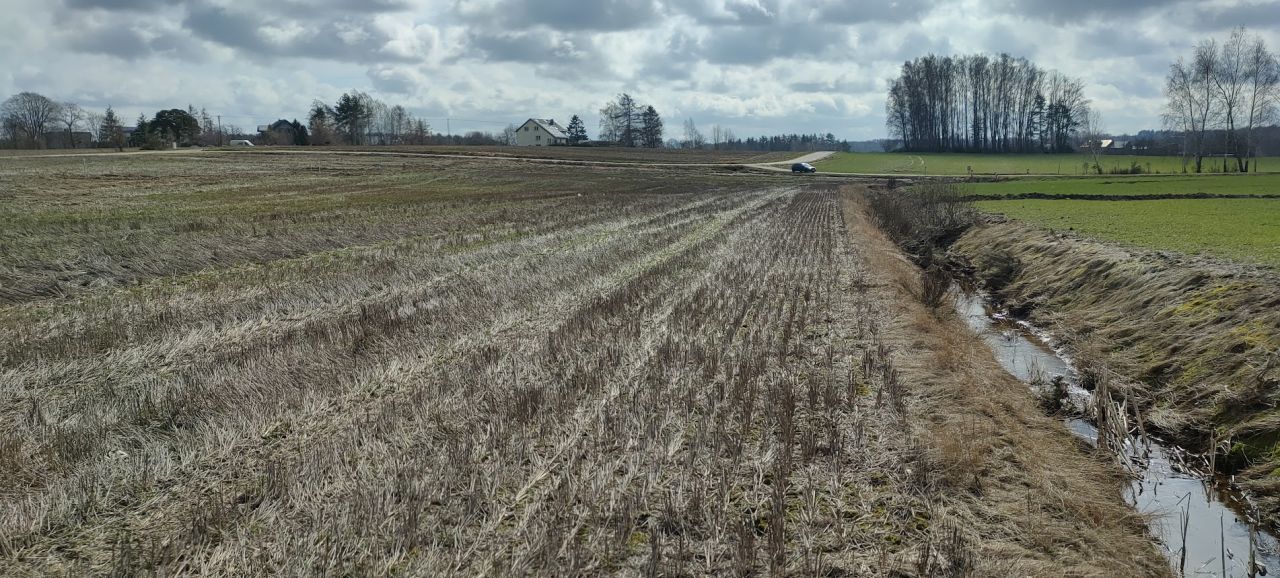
1251, 184
1241, 229
1010, 164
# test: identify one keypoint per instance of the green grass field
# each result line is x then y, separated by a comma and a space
1260, 184
992, 164
1242, 229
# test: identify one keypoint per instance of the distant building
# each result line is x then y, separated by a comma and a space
1108, 146
280, 132
1118, 147
61, 139
538, 132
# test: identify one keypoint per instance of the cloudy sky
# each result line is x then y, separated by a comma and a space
756, 66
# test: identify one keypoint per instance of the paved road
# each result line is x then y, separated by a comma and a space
785, 166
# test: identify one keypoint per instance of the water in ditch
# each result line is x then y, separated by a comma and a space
1174, 494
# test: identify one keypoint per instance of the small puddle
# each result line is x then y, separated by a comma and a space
1166, 488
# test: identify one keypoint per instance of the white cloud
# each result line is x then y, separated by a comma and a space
754, 65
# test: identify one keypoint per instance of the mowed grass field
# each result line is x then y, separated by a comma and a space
1243, 229
341, 364
993, 164
1263, 185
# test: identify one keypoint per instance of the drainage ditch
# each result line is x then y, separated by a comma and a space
1203, 523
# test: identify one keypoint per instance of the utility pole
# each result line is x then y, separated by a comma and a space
219, 130
448, 127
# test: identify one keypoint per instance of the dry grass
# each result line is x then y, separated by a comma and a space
1025, 497
363, 366
1200, 338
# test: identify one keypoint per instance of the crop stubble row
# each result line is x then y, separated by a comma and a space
684, 382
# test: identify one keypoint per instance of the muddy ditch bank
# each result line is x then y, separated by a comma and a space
1194, 342
1205, 525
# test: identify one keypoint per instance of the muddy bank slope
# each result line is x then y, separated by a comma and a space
1198, 338
1024, 498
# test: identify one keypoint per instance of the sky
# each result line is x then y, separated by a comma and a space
754, 66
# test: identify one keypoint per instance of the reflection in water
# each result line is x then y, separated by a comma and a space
1216, 526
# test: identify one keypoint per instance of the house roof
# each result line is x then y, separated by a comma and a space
281, 124
550, 126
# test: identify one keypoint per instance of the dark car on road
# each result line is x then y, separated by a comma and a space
803, 168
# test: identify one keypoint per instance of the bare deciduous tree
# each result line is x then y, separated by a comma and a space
1091, 134
1192, 107
28, 116
1262, 89
1227, 90
70, 116
93, 124
693, 138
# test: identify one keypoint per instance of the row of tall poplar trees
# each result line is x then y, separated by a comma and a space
984, 104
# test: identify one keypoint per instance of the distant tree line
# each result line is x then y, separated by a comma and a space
1219, 99
787, 143
980, 103
626, 122
723, 138
360, 119
34, 121
1265, 143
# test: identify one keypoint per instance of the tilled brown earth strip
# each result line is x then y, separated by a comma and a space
658, 382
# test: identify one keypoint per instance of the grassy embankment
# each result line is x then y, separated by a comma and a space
994, 164
355, 365
1199, 338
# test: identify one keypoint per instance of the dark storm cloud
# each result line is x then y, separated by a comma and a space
740, 12
888, 44
130, 43
836, 85
680, 54
1104, 41
330, 29
297, 8
321, 7
858, 11
1256, 15
1061, 12
532, 48
118, 41
343, 39
754, 45
116, 5
598, 15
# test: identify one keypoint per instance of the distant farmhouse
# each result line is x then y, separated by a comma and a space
1109, 147
539, 132
280, 132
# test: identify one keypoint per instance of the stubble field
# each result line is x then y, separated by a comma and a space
256, 364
